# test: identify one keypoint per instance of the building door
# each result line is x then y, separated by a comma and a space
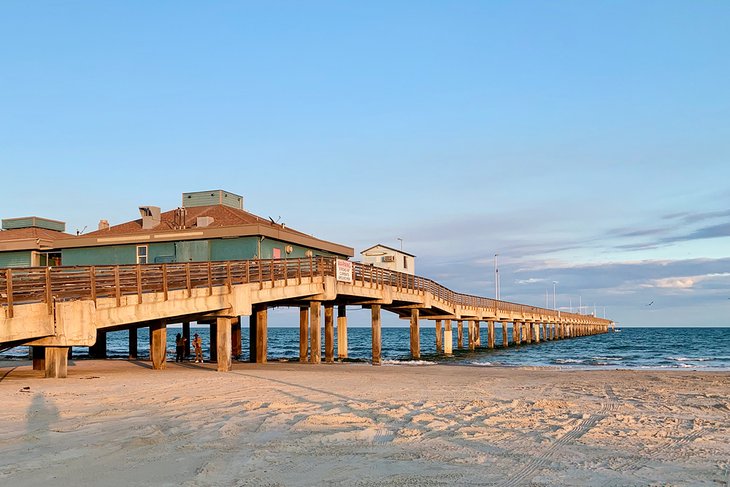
193, 251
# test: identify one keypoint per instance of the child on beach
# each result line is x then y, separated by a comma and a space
198, 346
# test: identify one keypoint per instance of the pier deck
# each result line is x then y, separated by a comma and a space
60, 307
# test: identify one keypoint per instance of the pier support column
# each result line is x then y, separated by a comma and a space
213, 336
528, 331
158, 344
252, 337
341, 331
303, 333
375, 313
236, 344
56, 362
38, 354
329, 333
470, 335
133, 344
315, 332
448, 338
478, 332
415, 335
515, 333
536, 327
223, 332
460, 334
262, 330
505, 337
98, 349
439, 337
186, 336
490, 338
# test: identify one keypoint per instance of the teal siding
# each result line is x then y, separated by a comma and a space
33, 221
15, 259
159, 253
213, 197
192, 251
118, 254
233, 248
185, 251
109, 255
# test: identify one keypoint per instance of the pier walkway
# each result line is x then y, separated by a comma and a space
52, 309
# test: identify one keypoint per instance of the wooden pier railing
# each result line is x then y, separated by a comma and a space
48, 284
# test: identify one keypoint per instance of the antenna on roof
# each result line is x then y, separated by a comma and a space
277, 221
80, 232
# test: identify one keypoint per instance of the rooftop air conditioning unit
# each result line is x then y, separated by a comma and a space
389, 258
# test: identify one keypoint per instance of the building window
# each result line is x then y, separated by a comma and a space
141, 254
405, 262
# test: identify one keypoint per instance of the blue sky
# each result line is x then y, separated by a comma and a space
587, 143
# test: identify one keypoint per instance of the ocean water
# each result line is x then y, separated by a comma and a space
631, 348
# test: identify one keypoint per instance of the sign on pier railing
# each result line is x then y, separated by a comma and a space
344, 270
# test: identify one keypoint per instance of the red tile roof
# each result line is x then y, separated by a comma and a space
223, 216
31, 232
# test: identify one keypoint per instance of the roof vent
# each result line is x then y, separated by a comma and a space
150, 216
103, 224
204, 221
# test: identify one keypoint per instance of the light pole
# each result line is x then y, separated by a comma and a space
554, 305
401, 243
496, 278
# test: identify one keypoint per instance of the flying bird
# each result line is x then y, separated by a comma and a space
653, 303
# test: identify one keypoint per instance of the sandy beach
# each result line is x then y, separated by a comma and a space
120, 423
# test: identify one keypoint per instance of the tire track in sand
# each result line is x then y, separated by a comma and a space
542, 461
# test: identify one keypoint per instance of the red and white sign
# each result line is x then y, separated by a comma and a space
344, 270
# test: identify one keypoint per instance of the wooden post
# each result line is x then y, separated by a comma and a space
448, 339
375, 313
9, 290
490, 339
478, 333
236, 345
186, 336
303, 333
138, 275
415, 335
49, 294
92, 282
528, 331
38, 354
505, 338
329, 333
158, 344
56, 362
536, 328
439, 337
459, 334
262, 339
117, 290
315, 332
471, 338
213, 334
223, 329
133, 343
341, 331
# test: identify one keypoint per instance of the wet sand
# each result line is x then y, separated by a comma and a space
120, 423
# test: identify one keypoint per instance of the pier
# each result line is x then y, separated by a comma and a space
54, 308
